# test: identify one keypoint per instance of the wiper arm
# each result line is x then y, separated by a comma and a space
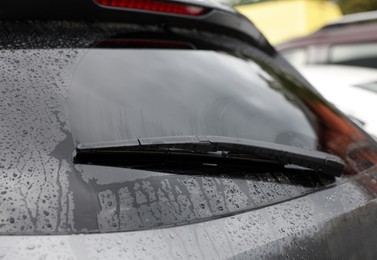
214, 147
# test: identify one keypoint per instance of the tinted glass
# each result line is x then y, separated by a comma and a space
358, 54
120, 94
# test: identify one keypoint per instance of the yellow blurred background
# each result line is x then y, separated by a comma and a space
280, 20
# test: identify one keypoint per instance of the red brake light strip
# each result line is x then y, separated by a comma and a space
156, 6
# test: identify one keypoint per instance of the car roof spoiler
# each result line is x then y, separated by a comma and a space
219, 18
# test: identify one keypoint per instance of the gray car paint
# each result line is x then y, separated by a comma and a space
338, 223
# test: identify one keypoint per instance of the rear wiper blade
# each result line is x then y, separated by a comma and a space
212, 147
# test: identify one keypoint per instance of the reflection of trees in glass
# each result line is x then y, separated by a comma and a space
336, 135
355, 6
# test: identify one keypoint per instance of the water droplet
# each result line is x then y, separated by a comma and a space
30, 247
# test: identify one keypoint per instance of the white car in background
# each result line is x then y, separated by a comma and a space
352, 89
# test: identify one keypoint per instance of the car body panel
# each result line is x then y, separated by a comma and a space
313, 226
219, 18
351, 34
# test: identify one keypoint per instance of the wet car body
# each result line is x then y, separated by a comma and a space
74, 82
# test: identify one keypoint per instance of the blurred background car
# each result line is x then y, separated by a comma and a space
340, 61
352, 89
350, 41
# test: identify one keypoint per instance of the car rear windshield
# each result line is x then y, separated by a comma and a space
68, 83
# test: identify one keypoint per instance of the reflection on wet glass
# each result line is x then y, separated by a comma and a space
125, 94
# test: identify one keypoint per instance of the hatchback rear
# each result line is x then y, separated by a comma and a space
126, 81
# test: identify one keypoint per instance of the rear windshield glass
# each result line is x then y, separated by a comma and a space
120, 94
66, 83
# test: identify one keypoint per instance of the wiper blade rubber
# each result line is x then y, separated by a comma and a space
218, 146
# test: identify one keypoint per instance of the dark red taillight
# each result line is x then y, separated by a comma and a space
155, 6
